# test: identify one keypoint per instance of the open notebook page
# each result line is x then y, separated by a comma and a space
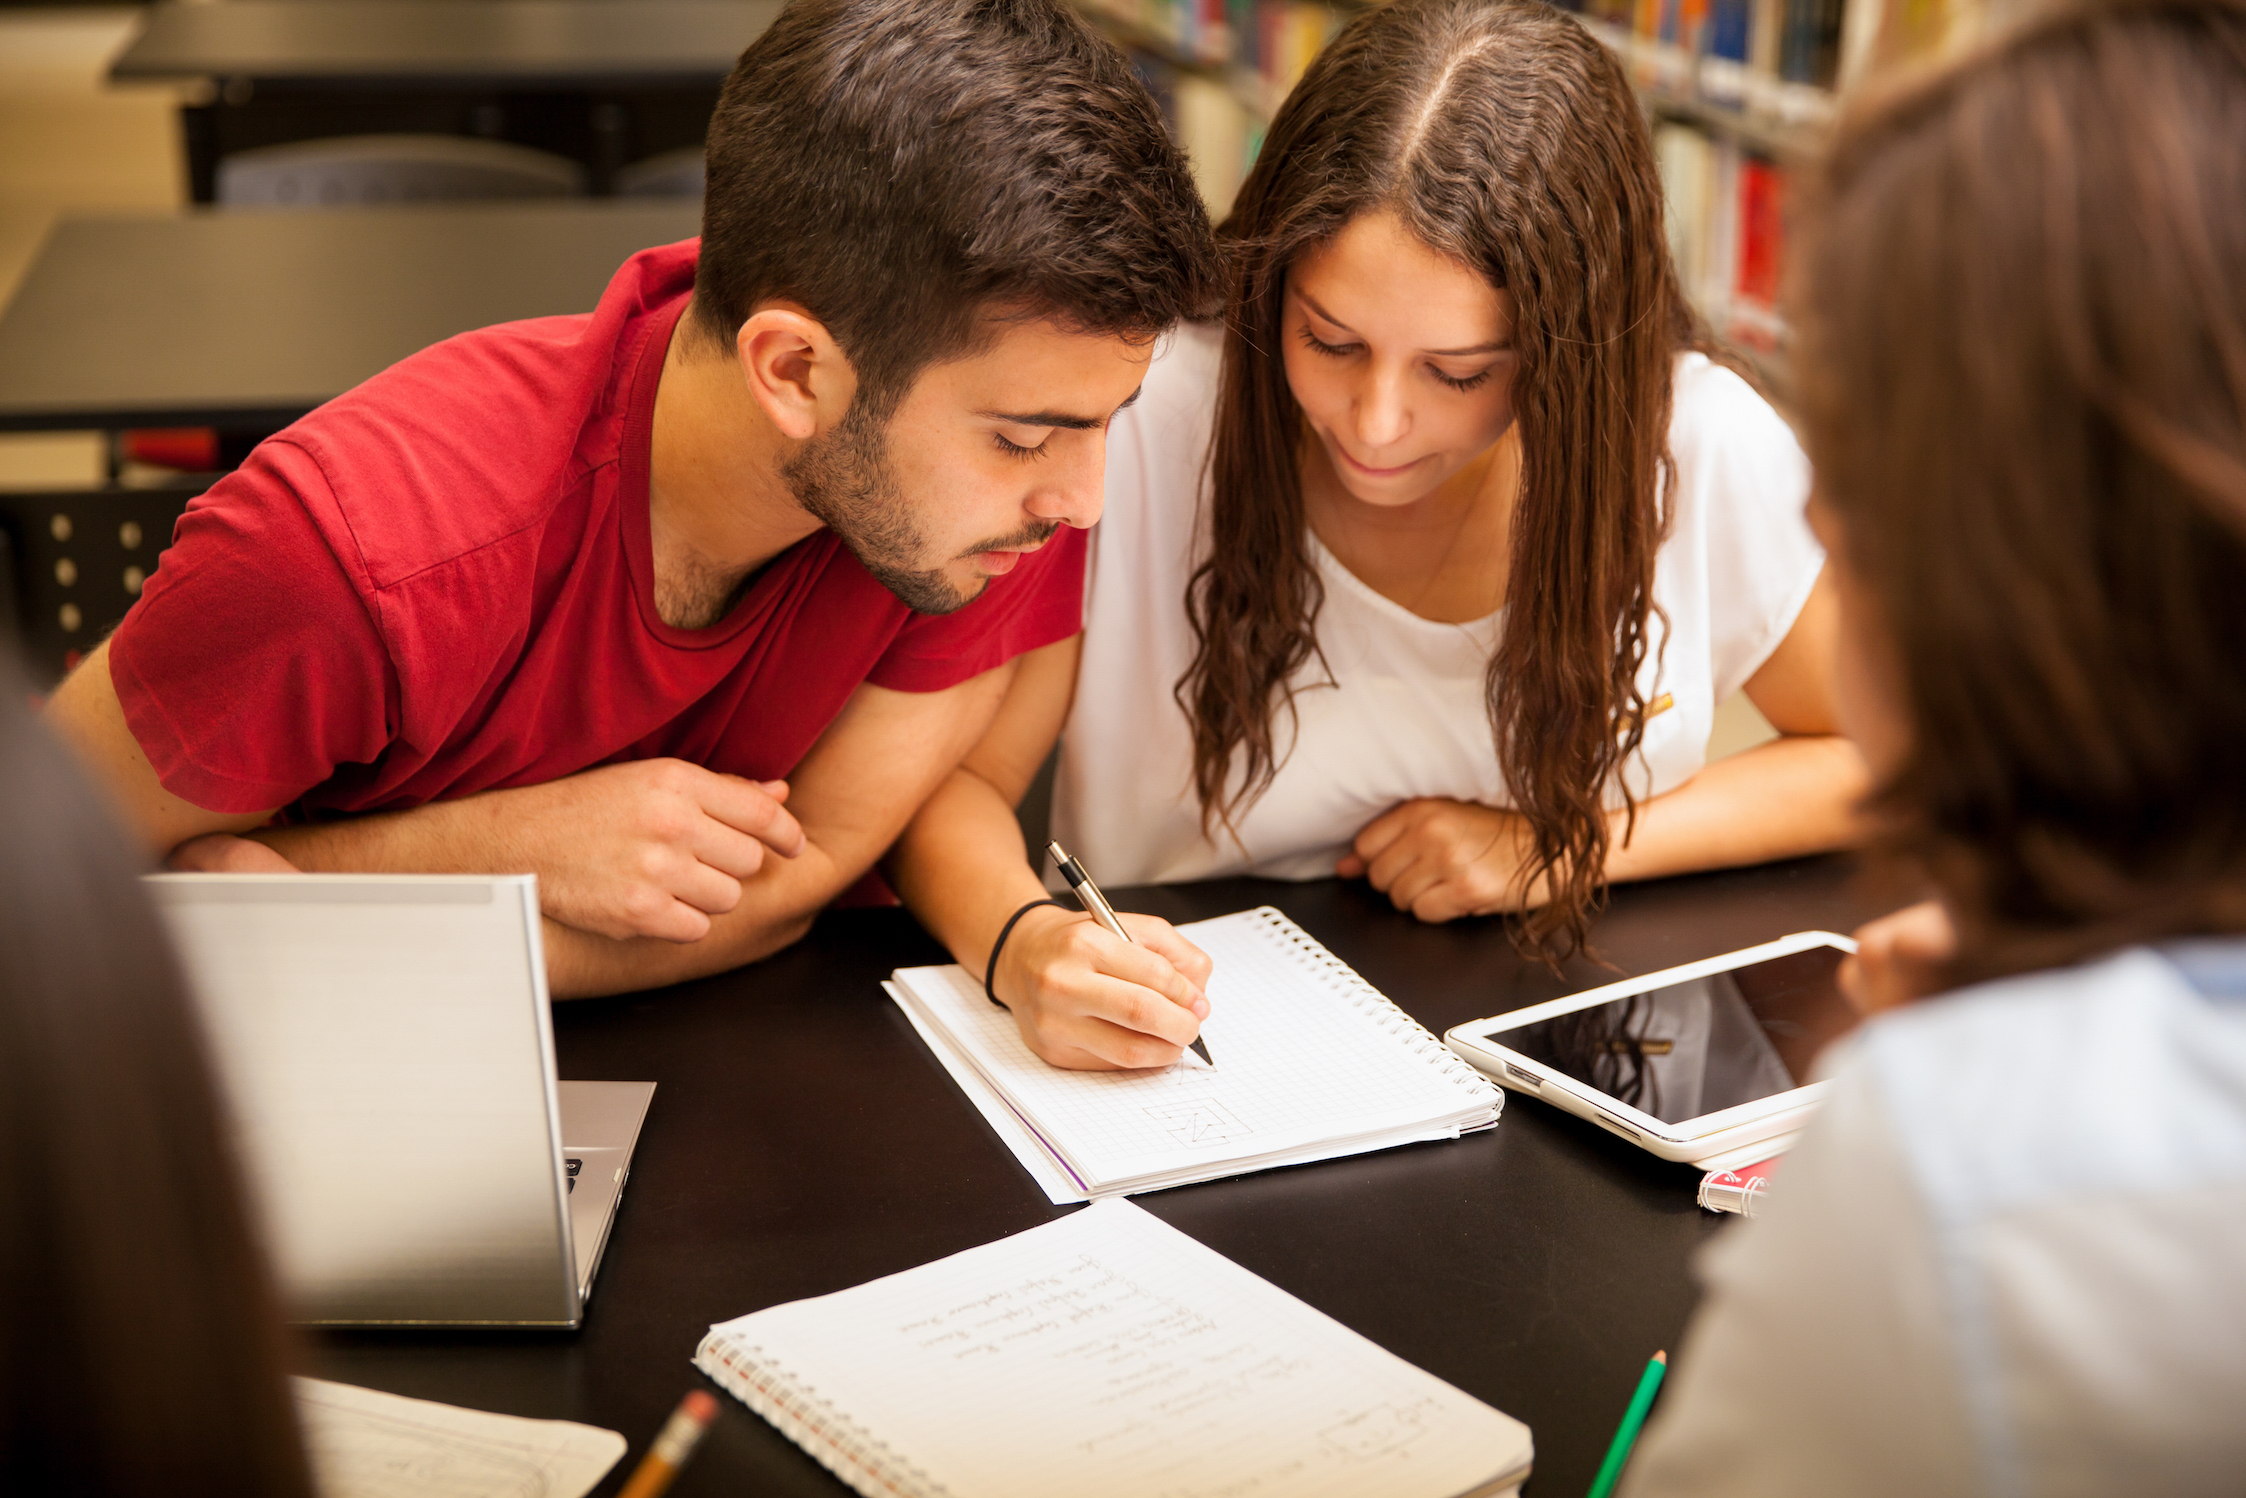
1104, 1354
1305, 1053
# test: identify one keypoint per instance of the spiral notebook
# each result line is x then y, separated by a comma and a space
1104, 1355
1312, 1062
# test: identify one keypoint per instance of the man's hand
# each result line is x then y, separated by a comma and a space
655, 847
1899, 958
1087, 1001
650, 848
1441, 859
224, 853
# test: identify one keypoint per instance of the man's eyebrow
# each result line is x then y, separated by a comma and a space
1061, 419
1500, 346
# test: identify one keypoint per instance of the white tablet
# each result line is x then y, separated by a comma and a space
1709, 1062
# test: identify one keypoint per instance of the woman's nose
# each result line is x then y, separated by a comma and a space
1383, 417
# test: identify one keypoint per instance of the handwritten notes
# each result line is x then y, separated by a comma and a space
1106, 1353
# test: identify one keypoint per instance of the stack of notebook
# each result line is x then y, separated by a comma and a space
1311, 1062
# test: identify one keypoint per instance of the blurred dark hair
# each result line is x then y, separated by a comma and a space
906, 171
1505, 137
141, 1350
2022, 335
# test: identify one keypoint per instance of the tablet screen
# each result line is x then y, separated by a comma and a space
1703, 1045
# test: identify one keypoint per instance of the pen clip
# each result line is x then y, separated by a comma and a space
1080, 883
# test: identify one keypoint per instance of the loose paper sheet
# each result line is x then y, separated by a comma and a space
366, 1444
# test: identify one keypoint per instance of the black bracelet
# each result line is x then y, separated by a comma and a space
999, 945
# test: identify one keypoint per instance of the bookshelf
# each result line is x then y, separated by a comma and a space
1739, 93
1221, 68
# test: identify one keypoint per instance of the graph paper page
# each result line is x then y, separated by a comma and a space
1303, 1056
1109, 1354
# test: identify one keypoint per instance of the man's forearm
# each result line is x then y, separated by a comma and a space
472, 836
582, 965
467, 836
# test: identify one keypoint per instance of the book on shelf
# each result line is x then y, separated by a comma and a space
1220, 136
1220, 69
1273, 38
1727, 230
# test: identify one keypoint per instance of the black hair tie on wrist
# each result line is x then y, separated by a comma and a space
999, 945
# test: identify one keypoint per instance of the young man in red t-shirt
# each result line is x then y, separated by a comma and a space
738, 564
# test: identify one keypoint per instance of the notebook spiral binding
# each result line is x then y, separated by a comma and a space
1382, 1009
756, 1378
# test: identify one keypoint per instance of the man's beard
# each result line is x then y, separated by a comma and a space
844, 481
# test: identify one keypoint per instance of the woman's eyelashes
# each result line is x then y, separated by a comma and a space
1319, 345
1461, 382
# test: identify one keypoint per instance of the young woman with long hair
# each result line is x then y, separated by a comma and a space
141, 1348
2009, 1256
1430, 566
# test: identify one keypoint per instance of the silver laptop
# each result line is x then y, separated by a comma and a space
385, 1043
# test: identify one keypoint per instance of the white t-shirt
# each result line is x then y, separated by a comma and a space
1403, 715
2007, 1257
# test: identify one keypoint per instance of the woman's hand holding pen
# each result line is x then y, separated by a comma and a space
1090, 1002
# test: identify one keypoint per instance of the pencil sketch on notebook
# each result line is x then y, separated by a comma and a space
1201, 1121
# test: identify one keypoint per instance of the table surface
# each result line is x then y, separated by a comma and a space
447, 43
248, 319
802, 1140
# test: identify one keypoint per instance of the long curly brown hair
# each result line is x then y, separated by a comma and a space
2020, 311
1506, 137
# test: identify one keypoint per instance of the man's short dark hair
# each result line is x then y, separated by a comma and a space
903, 169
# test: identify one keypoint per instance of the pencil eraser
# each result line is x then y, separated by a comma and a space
701, 1405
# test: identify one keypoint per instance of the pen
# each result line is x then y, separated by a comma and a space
1626, 1434
1104, 913
673, 1446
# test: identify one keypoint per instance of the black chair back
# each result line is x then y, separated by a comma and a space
72, 561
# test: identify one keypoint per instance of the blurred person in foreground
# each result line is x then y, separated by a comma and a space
2010, 1256
141, 1350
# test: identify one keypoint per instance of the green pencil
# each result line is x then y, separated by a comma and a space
1626, 1434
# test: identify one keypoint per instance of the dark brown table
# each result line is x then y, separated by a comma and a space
603, 81
247, 320
803, 1141
403, 43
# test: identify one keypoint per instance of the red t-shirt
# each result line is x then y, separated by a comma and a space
441, 583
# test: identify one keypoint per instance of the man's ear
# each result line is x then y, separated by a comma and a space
794, 370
